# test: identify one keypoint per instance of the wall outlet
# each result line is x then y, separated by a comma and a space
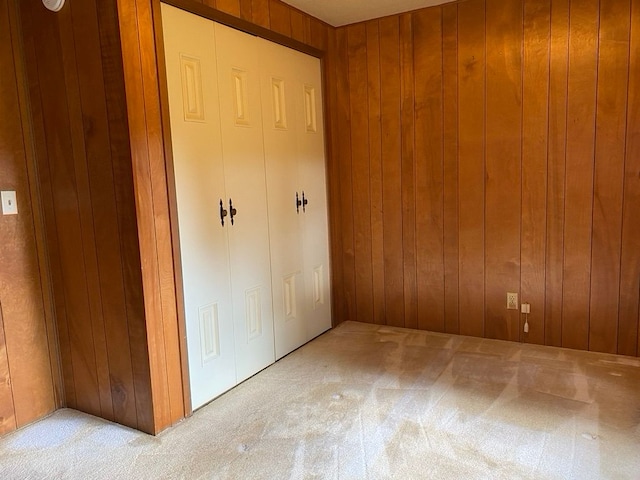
512, 301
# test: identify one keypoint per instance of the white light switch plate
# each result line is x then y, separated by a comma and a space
9, 203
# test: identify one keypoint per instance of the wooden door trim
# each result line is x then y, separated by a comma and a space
173, 203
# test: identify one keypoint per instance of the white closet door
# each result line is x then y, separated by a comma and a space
197, 156
244, 171
312, 172
281, 158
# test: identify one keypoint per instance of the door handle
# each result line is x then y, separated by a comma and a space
304, 203
232, 210
298, 203
223, 213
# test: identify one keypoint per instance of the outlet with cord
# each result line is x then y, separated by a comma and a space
525, 308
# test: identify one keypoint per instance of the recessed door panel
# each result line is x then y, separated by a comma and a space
198, 168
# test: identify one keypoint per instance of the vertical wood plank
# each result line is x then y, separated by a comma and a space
279, 17
390, 94
407, 130
375, 170
165, 354
260, 12
360, 173
629, 314
611, 121
556, 169
332, 77
246, 10
232, 7
297, 25
94, 332
127, 222
471, 121
346, 186
107, 235
450, 158
145, 130
503, 166
535, 127
318, 34
45, 186
429, 144
58, 151
581, 103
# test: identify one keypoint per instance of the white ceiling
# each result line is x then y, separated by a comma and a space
344, 12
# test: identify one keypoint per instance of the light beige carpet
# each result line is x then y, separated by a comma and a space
374, 402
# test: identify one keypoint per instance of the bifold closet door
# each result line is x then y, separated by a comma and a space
284, 195
312, 178
295, 165
244, 172
199, 176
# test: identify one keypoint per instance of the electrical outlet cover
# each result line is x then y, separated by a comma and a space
512, 301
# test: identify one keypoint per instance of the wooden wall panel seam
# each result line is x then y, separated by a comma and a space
593, 162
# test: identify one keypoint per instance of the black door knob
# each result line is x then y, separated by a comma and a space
223, 213
233, 211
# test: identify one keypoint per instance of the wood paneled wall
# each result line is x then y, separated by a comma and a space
29, 370
87, 186
100, 127
486, 147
